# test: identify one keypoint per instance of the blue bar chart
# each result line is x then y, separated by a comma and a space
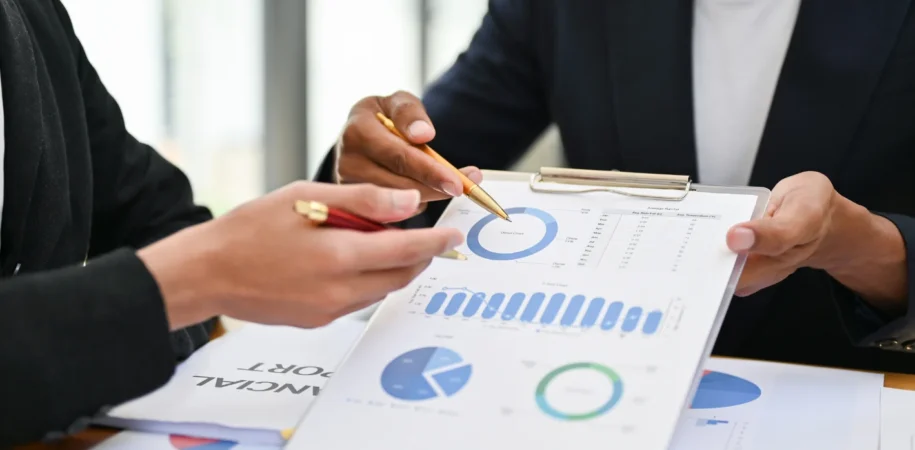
548, 309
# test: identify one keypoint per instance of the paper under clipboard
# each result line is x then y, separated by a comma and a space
586, 319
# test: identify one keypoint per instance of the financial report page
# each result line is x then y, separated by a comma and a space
585, 319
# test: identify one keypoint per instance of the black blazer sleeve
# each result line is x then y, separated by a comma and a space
76, 340
491, 105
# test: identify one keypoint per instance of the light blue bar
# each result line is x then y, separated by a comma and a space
476, 300
612, 316
568, 318
592, 313
493, 305
514, 304
552, 309
436, 302
455, 304
652, 320
533, 307
632, 319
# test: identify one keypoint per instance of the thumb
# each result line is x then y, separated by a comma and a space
409, 116
790, 226
367, 200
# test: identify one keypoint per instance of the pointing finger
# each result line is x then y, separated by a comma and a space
473, 173
401, 248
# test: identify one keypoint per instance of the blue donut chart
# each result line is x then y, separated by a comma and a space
552, 229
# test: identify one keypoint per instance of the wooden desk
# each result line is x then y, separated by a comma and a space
89, 438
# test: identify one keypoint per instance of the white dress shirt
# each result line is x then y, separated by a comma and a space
738, 50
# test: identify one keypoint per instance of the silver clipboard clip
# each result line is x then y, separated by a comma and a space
562, 180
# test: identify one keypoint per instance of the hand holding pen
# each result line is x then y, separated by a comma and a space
328, 216
385, 143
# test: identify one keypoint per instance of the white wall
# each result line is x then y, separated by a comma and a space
351, 57
452, 25
218, 71
124, 40
210, 54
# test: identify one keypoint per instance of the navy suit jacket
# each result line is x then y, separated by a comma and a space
615, 76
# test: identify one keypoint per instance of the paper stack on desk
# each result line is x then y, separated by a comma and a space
248, 386
753, 405
133, 440
897, 420
739, 404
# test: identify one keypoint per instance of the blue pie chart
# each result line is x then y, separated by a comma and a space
425, 373
552, 228
722, 390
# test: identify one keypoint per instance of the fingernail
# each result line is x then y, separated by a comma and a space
405, 200
455, 240
743, 239
451, 189
419, 129
476, 176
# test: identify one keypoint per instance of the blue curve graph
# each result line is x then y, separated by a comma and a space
552, 229
721, 390
425, 373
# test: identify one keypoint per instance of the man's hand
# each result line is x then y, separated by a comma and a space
263, 262
808, 224
795, 224
369, 152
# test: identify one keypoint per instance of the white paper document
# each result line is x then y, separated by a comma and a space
583, 320
897, 419
248, 386
751, 405
132, 440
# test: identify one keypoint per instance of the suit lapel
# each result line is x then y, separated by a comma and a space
650, 63
834, 60
24, 127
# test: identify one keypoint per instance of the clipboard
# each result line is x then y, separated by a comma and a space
654, 187
649, 186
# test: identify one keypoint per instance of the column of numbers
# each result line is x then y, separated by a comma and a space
684, 244
632, 246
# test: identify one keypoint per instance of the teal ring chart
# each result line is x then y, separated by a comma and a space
540, 393
473, 236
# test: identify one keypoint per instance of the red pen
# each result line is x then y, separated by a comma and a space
324, 215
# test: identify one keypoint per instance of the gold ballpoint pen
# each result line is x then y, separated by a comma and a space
471, 189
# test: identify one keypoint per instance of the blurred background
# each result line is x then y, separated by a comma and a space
248, 95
